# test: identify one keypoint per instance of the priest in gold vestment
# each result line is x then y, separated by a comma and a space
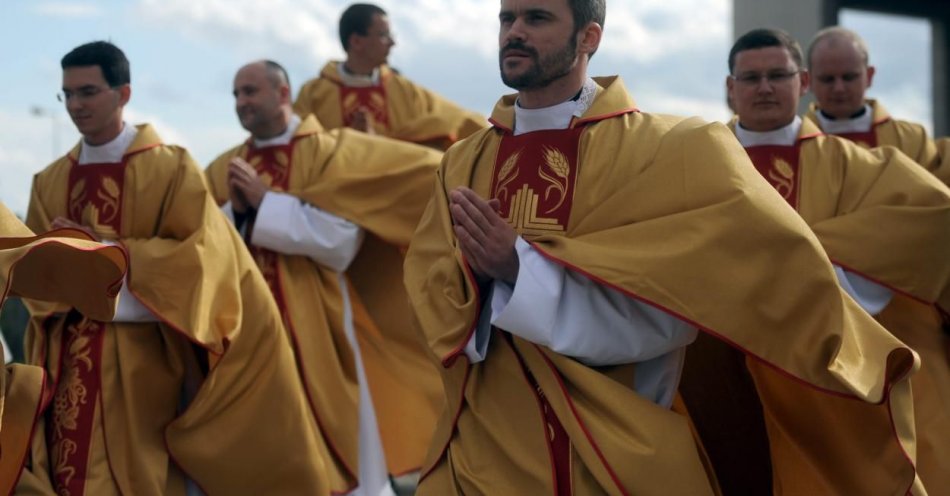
838, 62
168, 396
567, 259
364, 93
64, 266
883, 220
327, 216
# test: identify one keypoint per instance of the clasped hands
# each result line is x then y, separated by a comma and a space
245, 188
486, 240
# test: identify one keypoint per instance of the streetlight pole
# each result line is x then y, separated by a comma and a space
38, 111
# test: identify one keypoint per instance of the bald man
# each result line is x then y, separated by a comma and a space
327, 216
840, 77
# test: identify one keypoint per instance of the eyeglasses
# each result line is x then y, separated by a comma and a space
83, 94
773, 78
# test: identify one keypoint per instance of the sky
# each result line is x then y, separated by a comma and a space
671, 55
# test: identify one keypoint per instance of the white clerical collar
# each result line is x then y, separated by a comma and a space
859, 124
556, 116
783, 136
111, 152
284, 137
357, 80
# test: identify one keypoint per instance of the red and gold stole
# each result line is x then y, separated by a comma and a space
779, 165
370, 98
866, 139
95, 200
272, 164
534, 178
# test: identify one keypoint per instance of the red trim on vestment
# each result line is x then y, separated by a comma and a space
596, 118
455, 419
590, 437
882, 283
449, 359
888, 385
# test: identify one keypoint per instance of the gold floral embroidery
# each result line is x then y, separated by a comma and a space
71, 397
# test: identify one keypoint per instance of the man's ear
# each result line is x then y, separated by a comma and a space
588, 38
870, 75
125, 93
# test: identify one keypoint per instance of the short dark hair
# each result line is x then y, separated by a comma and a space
356, 19
109, 58
276, 73
585, 11
765, 38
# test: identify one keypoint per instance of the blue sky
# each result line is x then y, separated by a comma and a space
671, 54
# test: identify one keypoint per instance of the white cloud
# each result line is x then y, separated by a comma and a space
28, 144
299, 28
72, 10
647, 30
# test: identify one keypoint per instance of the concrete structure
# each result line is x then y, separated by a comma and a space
803, 18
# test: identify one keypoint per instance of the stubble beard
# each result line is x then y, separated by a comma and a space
542, 71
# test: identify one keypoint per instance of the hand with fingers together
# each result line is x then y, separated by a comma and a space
245, 188
486, 240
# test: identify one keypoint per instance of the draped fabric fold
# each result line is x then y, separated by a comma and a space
183, 396
670, 212
381, 185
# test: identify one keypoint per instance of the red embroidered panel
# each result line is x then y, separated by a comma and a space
95, 197
272, 164
534, 178
71, 421
779, 166
370, 98
866, 139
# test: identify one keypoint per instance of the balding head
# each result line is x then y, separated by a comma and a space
838, 60
838, 37
262, 98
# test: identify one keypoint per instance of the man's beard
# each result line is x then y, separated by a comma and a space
542, 71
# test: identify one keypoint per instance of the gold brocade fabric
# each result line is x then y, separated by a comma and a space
667, 210
382, 185
62, 265
413, 113
879, 215
908, 137
220, 343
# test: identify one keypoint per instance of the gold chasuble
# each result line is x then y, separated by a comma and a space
381, 185
908, 137
135, 408
883, 218
63, 265
399, 108
670, 212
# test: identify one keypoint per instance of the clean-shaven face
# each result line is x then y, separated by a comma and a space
94, 107
840, 77
765, 88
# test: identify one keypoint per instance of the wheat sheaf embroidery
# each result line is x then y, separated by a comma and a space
508, 173
785, 179
561, 169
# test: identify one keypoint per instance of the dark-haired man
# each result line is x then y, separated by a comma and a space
169, 393
885, 224
327, 216
838, 62
364, 93
566, 260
